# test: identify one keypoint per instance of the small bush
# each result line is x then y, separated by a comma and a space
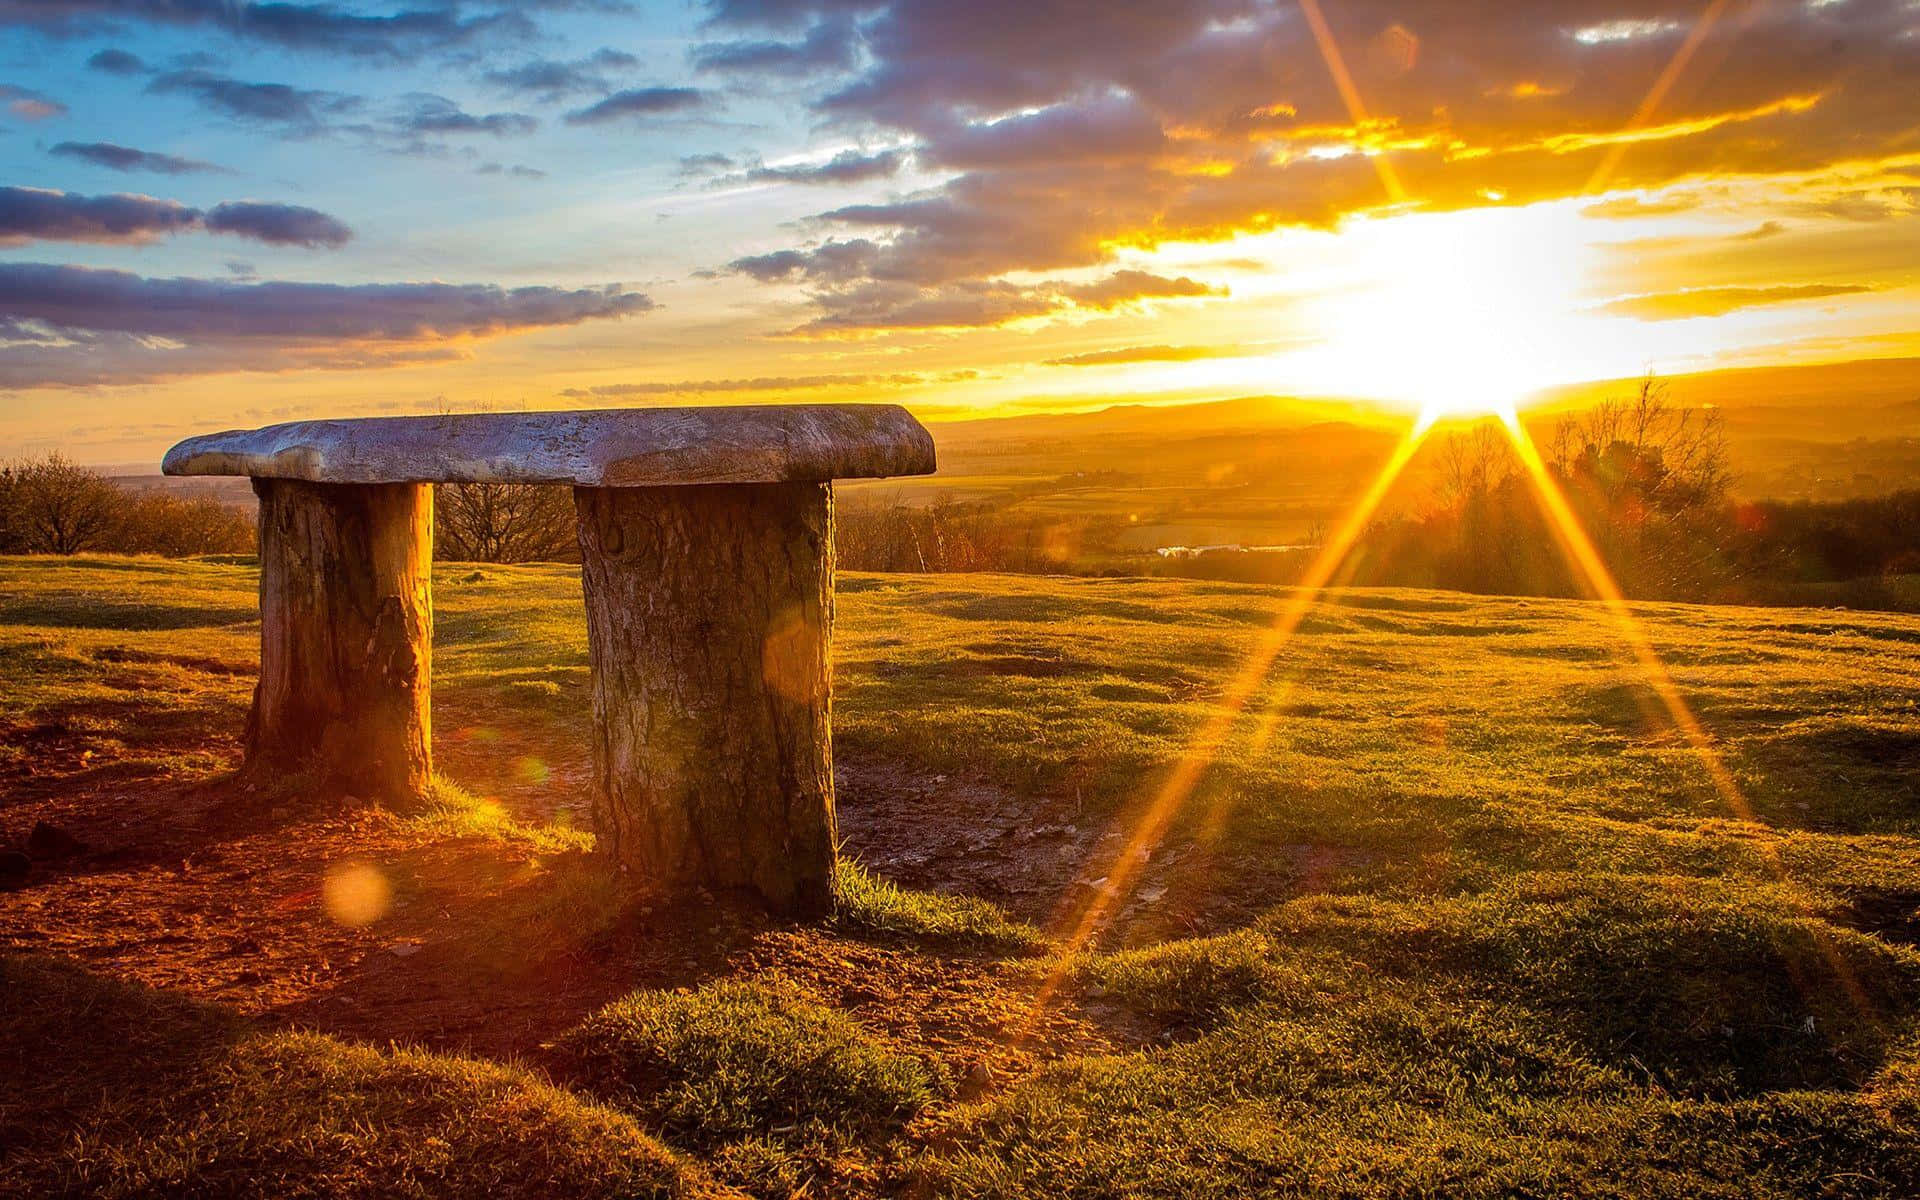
738, 1060
53, 505
452, 811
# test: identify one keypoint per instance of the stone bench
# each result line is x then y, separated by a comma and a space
706, 538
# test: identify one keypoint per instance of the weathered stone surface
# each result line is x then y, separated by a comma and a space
623, 447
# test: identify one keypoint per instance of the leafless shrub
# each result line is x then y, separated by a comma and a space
505, 523
54, 505
156, 522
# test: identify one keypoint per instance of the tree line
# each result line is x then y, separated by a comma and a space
1646, 480
1649, 485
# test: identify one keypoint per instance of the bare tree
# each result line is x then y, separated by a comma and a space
1472, 463
57, 506
1650, 480
1676, 455
505, 523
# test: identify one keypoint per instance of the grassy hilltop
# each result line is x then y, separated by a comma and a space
1453, 911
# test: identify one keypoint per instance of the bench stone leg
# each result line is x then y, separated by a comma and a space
346, 637
709, 620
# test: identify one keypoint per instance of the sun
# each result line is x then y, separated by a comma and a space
1455, 315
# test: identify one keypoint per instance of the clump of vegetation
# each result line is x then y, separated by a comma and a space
504, 523
744, 1059
181, 1099
1192, 979
871, 905
453, 811
53, 505
1700, 987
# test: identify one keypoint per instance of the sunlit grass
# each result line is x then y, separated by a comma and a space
452, 811
1498, 933
869, 904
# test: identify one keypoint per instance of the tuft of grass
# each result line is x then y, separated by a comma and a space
744, 1059
181, 1099
872, 905
452, 811
1194, 979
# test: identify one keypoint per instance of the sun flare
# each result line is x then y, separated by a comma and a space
1455, 316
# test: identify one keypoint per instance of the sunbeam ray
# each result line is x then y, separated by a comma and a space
1201, 749
1657, 94
1349, 94
1581, 553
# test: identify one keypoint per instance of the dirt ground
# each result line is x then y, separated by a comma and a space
493, 946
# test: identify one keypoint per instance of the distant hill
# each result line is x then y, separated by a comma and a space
1825, 401
1265, 413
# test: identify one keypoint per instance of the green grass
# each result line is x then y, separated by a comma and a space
1497, 933
453, 811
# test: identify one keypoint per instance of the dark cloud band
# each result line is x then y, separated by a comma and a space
81, 325
39, 214
126, 158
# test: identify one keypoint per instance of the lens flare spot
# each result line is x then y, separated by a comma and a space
355, 894
528, 769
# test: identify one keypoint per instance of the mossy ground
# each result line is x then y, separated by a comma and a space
1452, 911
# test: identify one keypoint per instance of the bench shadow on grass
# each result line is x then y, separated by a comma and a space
115, 1088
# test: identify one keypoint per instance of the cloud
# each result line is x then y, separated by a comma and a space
550, 81
40, 214
80, 325
278, 224
117, 62
274, 104
517, 171
1632, 207
830, 45
28, 104
770, 383
1718, 301
639, 102
125, 158
705, 164
848, 166
436, 114
1140, 354
323, 27
1127, 287
875, 306
833, 262
1198, 120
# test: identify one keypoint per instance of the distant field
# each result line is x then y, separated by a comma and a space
1452, 911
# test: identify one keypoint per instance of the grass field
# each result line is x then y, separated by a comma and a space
1453, 911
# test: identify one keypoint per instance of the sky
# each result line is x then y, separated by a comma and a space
216, 214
